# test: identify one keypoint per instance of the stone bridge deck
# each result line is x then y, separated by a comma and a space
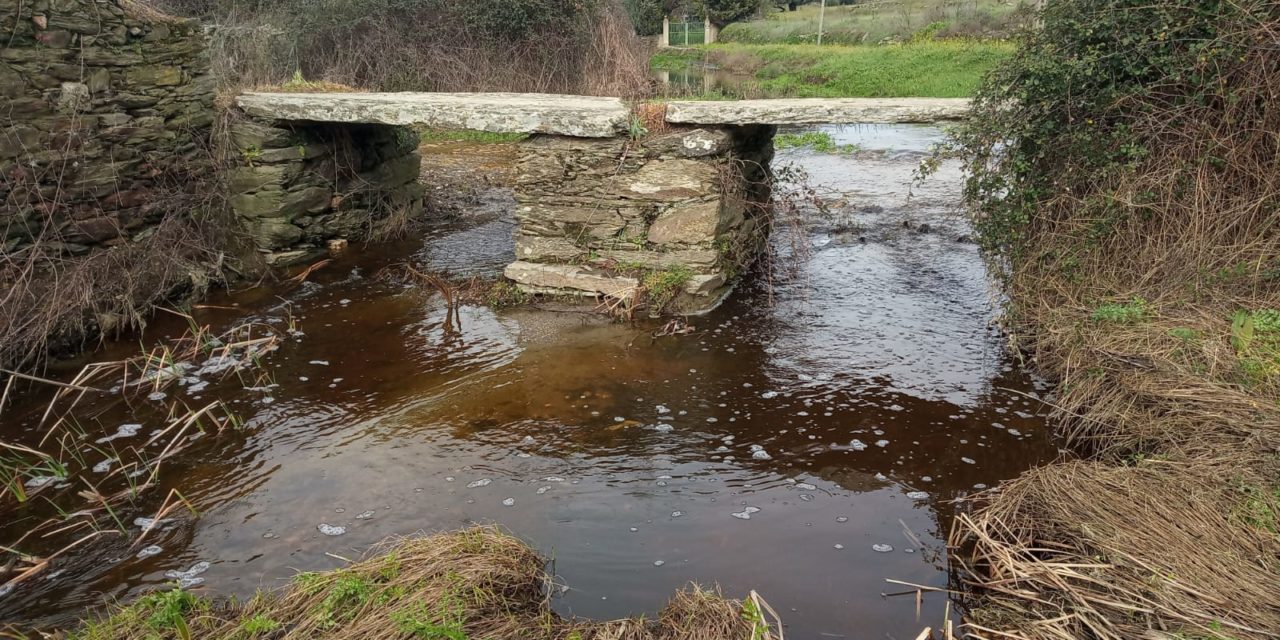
583, 116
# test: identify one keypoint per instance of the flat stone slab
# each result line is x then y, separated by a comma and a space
819, 111
567, 278
579, 116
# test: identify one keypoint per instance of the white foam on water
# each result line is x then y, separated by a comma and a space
147, 552
364, 515
482, 482
39, 481
189, 577
745, 514
882, 548
509, 502
918, 495
330, 530
123, 431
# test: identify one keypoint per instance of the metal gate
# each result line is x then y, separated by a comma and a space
687, 33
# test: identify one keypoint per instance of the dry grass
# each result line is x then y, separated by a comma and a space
475, 583
415, 46
1139, 293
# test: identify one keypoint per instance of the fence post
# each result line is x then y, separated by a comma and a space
666, 32
822, 17
711, 31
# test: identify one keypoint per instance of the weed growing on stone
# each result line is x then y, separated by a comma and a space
662, 286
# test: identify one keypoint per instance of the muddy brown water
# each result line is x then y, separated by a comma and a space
785, 448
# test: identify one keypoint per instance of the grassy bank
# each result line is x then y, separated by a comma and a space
879, 22
1134, 225
476, 583
933, 69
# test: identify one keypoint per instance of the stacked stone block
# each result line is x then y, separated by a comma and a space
100, 106
595, 213
297, 185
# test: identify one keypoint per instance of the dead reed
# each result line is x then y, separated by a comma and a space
88, 482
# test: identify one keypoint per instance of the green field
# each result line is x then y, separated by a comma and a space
930, 69
879, 22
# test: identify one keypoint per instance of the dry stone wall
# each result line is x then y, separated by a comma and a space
598, 215
297, 185
102, 107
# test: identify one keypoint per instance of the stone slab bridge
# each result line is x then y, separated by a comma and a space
608, 193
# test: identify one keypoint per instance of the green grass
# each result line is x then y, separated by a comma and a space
1131, 312
819, 141
163, 612
943, 69
930, 69
258, 624
878, 23
675, 59
467, 135
1256, 338
663, 286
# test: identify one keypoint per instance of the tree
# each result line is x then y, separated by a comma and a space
646, 15
722, 12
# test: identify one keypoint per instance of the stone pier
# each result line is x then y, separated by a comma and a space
297, 185
620, 217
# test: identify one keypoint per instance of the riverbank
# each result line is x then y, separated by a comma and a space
474, 583
1135, 232
928, 69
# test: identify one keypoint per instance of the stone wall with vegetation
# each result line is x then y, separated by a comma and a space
670, 217
102, 101
297, 185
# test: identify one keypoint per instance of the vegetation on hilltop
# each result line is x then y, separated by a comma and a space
933, 69
882, 22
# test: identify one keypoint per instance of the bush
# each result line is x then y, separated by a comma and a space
1086, 99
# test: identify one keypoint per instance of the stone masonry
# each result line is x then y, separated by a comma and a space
100, 107
597, 215
297, 185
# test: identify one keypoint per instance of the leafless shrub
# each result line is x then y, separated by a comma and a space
418, 46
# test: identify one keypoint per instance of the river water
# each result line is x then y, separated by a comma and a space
808, 449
